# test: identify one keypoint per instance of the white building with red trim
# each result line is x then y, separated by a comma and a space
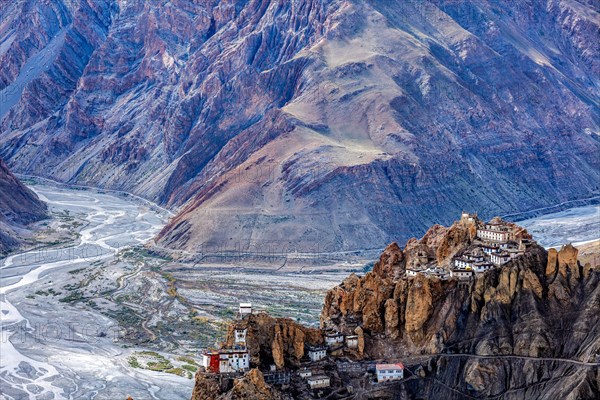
225, 361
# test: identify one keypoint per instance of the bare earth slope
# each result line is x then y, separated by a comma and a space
334, 124
19, 206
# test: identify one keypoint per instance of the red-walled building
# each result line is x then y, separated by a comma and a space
210, 361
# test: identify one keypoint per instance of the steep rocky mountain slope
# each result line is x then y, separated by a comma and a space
528, 329
337, 124
277, 341
19, 206
525, 316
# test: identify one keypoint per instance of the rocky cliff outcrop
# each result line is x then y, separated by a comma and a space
525, 329
250, 386
337, 124
19, 207
279, 341
382, 292
269, 341
530, 313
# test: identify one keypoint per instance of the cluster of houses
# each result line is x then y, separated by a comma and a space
494, 245
236, 359
383, 372
317, 381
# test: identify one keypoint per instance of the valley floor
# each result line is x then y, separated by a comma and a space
96, 315
578, 226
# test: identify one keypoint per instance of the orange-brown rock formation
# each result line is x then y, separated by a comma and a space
249, 386
540, 305
528, 328
280, 341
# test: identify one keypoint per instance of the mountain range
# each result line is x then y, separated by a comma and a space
316, 125
19, 206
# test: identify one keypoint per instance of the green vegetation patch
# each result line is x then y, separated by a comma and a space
76, 271
153, 361
187, 359
159, 365
133, 362
47, 292
191, 368
125, 316
179, 371
73, 297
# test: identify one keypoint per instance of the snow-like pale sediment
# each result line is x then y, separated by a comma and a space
577, 226
113, 223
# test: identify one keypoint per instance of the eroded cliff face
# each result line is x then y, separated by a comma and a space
19, 206
526, 329
269, 340
250, 386
337, 124
279, 341
541, 305
378, 301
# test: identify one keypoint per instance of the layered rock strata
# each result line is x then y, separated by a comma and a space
19, 206
337, 124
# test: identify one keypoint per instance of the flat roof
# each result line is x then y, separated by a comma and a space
245, 304
389, 366
233, 351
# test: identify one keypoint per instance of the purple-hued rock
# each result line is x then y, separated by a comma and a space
317, 125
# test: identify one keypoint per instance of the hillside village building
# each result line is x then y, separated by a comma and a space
461, 273
305, 373
500, 258
317, 353
240, 336
352, 341
437, 272
495, 232
231, 360
389, 372
462, 263
492, 246
210, 361
482, 267
412, 272
245, 309
333, 339
318, 381
465, 216
226, 361
431, 271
